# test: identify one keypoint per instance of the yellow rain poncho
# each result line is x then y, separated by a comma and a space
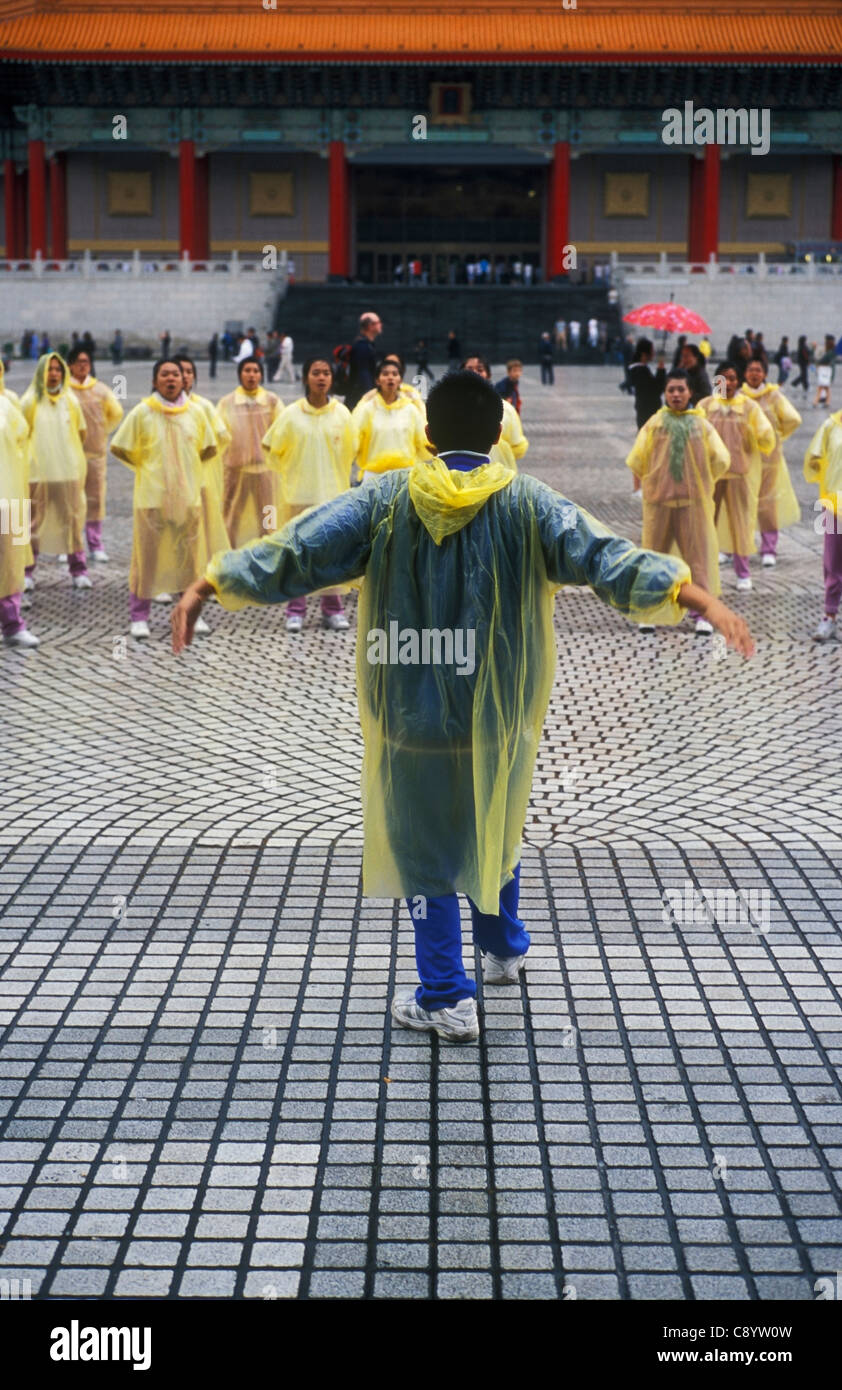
216, 535
57, 463
167, 447
312, 452
14, 497
390, 436
777, 504
512, 444
251, 494
678, 457
456, 651
746, 434
823, 464
4, 389
103, 413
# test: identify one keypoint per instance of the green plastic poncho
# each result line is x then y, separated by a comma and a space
455, 654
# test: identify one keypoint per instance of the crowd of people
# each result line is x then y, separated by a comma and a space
709, 464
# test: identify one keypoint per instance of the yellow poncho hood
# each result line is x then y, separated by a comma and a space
39, 381
447, 499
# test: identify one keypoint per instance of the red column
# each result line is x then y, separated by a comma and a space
10, 195
339, 254
58, 207
187, 198
200, 221
37, 198
836, 207
710, 204
558, 210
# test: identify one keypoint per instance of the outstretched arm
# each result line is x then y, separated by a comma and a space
325, 546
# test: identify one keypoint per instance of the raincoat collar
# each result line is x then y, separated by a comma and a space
157, 402
756, 392
691, 410
446, 499
83, 385
464, 460
316, 410
241, 394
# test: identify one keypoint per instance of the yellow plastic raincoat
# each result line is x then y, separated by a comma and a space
512, 444
103, 413
251, 495
167, 446
57, 463
14, 497
6, 390
312, 452
456, 650
678, 457
823, 464
390, 436
216, 535
777, 504
746, 434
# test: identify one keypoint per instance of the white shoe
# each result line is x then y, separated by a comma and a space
62, 559
295, 623
501, 970
24, 638
100, 557
459, 1023
162, 598
744, 585
337, 622
826, 630
768, 562
201, 627
28, 584
139, 630
646, 627
703, 627
82, 581
724, 557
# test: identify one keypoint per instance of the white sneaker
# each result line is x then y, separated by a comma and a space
826, 630
459, 1023
501, 970
744, 585
28, 584
646, 627
703, 627
337, 622
295, 623
100, 557
62, 559
768, 562
201, 627
24, 638
162, 598
139, 630
82, 581
724, 557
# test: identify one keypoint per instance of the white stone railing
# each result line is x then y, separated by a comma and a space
88, 267
665, 269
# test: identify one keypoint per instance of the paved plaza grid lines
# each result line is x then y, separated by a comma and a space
202, 1092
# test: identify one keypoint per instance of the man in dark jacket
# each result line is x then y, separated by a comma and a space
363, 358
646, 383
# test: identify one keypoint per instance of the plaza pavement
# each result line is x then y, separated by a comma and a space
202, 1092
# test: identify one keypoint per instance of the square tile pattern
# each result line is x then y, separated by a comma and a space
202, 1094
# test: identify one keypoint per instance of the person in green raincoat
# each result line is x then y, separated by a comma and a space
459, 560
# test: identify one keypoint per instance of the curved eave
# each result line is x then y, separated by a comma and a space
588, 58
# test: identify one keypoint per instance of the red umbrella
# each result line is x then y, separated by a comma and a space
669, 318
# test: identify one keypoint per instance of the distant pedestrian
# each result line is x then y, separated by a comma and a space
166, 342
286, 371
422, 362
545, 357
507, 387
362, 359
646, 381
825, 372
454, 351
117, 348
803, 357
213, 354
783, 361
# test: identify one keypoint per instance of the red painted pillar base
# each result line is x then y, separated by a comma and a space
558, 210
339, 253
37, 198
58, 207
836, 205
187, 199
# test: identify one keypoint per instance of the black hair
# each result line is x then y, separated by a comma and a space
484, 360
182, 357
698, 355
242, 364
757, 358
464, 412
396, 361
75, 353
305, 370
678, 374
163, 362
726, 367
643, 345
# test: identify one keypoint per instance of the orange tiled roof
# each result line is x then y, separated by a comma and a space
526, 30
